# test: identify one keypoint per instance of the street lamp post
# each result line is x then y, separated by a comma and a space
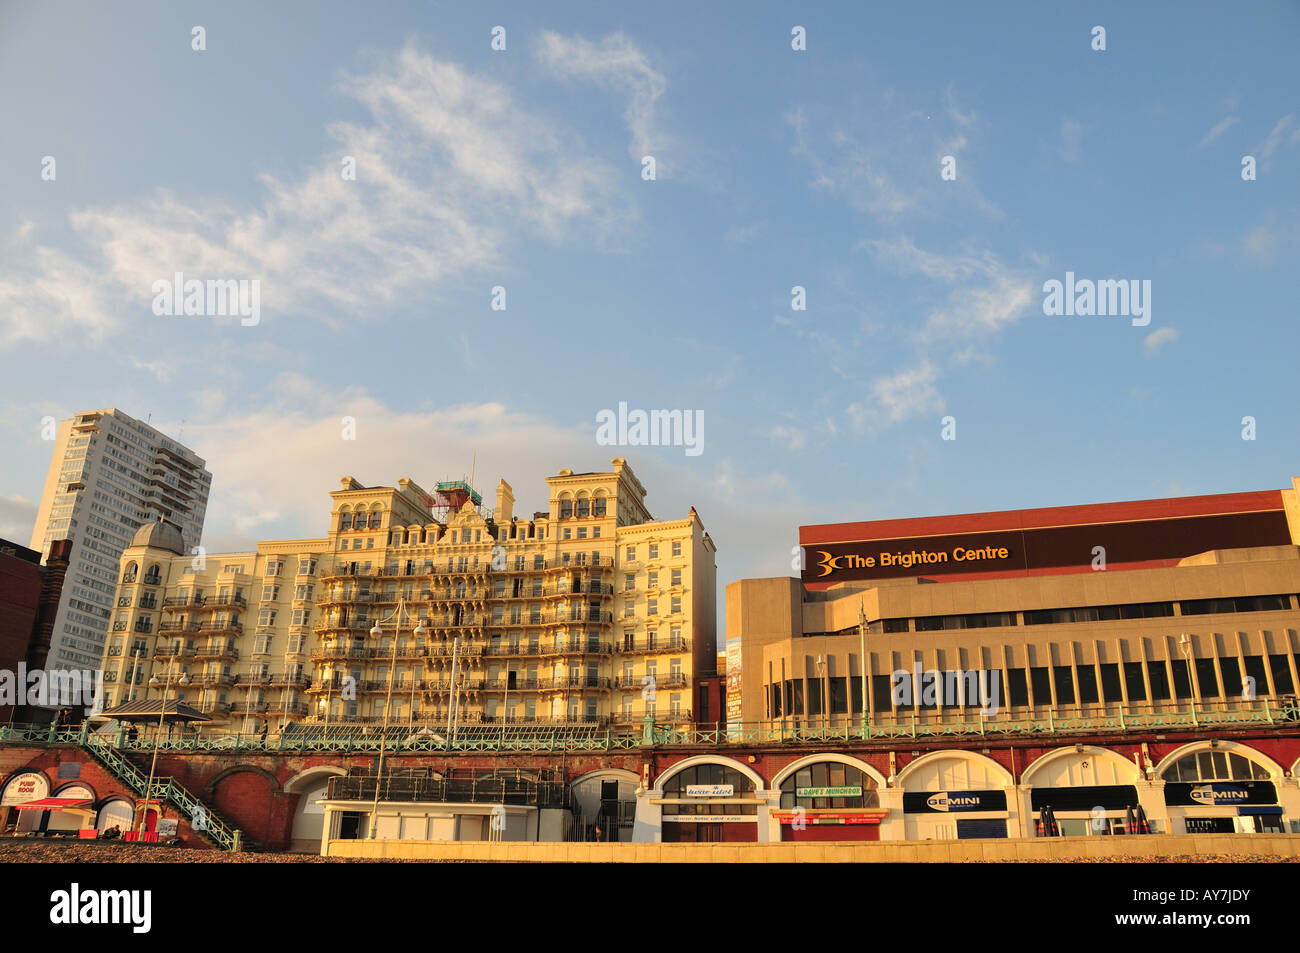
157, 738
419, 632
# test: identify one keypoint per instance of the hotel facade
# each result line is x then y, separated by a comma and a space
586, 614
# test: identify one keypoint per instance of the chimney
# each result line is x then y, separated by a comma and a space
505, 504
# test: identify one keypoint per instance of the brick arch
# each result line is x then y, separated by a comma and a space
246, 796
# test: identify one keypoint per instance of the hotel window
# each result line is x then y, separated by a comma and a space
628, 609
677, 548
652, 607
630, 553
676, 605
584, 508
629, 582
266, 617
677, 577
675, 705
598, 506
654, 551
595, 532
539, 562
568, 533
300, 616
652, 580
270, 593
675, 668
306, 567
302, 592
582, 532
566, 509
273, 567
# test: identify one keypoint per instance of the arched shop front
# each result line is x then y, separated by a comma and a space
708, 799
956, 795
1089, 790
20, 789
828, 797
1222, 788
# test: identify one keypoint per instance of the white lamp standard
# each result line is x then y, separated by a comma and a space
419, 632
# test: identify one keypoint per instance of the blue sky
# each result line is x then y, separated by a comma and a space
775, 168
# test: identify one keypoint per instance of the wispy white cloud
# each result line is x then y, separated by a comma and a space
987, 295
449, 169
884, 158
1285, 132
1218, 129
908, 393
1158, 339
617, 61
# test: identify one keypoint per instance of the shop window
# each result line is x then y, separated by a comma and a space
808, 787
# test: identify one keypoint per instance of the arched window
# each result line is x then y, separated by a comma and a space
698, 780
829, 785
375, 518
129, 574
345, 520
1215, 765
153, 576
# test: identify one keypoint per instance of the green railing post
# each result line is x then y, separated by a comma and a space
235, 843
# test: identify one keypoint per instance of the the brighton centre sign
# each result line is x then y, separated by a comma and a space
829, 562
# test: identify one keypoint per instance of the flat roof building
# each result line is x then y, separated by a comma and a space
109, 473
1070, 613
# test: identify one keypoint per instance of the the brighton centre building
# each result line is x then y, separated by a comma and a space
1158, 636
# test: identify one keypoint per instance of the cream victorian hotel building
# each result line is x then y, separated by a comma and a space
589, 613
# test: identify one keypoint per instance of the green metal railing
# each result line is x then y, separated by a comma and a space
202, 818
927, 724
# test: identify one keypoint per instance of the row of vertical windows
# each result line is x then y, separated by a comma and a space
1108, 682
